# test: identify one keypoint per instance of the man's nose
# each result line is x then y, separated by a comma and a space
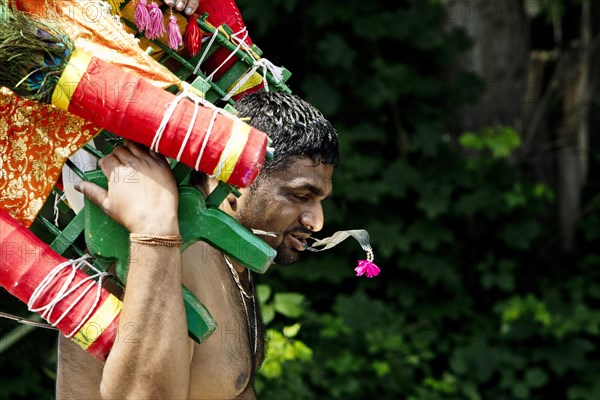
313, 218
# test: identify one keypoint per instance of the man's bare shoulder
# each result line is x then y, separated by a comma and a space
202, 267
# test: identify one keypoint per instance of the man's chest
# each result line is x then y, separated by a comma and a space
223, 365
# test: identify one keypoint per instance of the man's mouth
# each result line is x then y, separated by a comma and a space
298, 241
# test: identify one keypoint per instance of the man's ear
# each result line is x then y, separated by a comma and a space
232, 200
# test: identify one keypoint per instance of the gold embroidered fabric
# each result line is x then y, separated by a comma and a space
35, 141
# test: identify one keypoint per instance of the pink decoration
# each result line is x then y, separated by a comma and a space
141, 16
156, 24
175, 39
367, 267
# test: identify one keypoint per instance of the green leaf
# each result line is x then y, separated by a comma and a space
499, 141
536, 377
335, 51
521, 234
435, 199
515, 197
289, 304
268, 313
503, 141
271, 370
471, 140
302, 351
428, 235
520, 390
426, 139
264, 293
291, 331
381, 368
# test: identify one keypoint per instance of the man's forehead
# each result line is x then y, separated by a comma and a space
305, 172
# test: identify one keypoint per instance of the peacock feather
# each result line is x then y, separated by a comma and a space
33, 54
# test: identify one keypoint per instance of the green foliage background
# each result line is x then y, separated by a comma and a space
475, 299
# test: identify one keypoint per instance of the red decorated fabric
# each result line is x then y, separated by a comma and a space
137, 112
24, 263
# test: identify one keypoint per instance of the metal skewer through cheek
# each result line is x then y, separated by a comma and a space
275, 234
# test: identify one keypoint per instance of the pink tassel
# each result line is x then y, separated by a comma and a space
367, 267
141, 17
156, 24
175, 39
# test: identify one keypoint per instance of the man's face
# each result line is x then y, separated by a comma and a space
287, 202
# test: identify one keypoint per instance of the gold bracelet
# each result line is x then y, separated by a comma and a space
156, 240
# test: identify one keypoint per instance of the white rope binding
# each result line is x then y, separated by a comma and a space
57, 200
263, 63
230, 56
212, 40
167, 117
199, 101
46, 310
266, 65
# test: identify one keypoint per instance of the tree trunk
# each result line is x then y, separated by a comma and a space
513, 95
499, 55
574, 133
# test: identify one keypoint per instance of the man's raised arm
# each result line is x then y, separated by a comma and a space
152, 355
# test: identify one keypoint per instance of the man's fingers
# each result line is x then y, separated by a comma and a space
94, 193
142, 152
124, 153
121, 157
192, 5
188, 7
136, 149
108, 163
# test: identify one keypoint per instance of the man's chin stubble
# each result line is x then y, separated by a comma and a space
286, 257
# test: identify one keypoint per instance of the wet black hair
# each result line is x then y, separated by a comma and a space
296, 128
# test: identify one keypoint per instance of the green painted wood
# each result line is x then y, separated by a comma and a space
220, 88
220, 230
108, 241
69, 235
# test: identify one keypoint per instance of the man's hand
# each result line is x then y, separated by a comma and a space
187, 6
142, 194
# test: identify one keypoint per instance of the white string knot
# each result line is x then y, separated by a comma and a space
276, 72
66, 289
266, 65
369, 250
57, 200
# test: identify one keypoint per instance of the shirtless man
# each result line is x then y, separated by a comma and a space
158, 360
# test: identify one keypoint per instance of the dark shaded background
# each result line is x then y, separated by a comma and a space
489, 286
